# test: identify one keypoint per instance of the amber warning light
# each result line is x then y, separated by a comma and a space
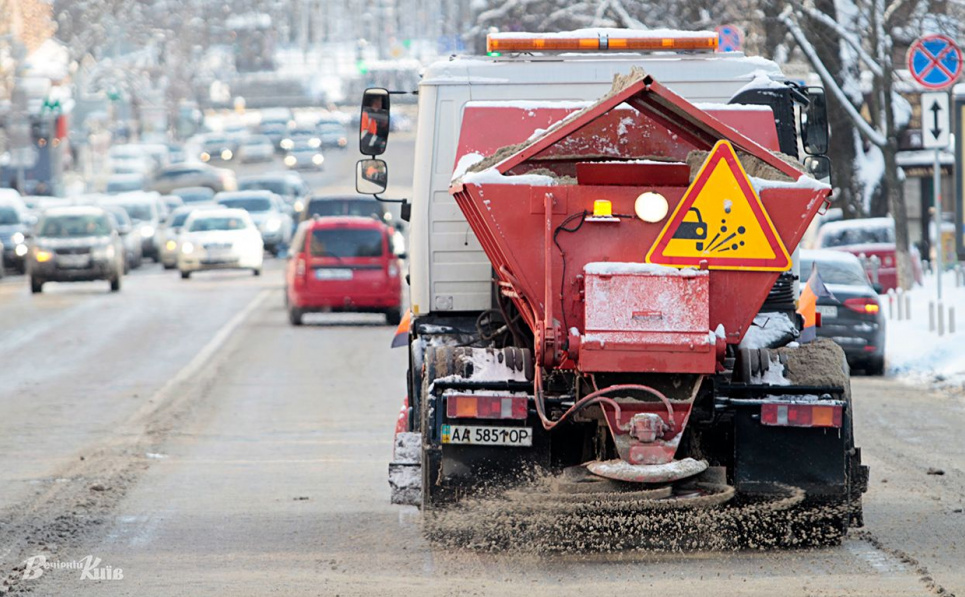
500, 43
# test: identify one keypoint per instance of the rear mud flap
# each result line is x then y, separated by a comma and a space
405, 470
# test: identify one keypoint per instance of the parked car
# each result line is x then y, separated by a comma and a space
194, 175
15, 232
867, 238
220, 239
853, 317
194, 194
145, 214
343, 264
256, 148
125, 183
268, 213
75, 244
170, 233
130, 236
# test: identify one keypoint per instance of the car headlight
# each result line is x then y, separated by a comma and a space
226, 154
17, 238
273, 225
342, 141
205, 156
287, 144
290, 161
170, 245
43, 256
299, 205
314, 142
317, 159
103, 253
147, 231
187, 248
21, 250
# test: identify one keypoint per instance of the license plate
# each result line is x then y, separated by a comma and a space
487, 436
333, 274
827, 311
73, 260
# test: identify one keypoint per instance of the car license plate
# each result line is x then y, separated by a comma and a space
333, 274
74, 261
487, 436
827, 311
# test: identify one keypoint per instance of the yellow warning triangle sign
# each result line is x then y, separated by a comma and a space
721, 221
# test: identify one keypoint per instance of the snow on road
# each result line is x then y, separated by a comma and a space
916, 355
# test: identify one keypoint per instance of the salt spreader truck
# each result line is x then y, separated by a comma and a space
603, 283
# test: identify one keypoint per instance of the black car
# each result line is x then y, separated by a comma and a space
14, 235
852, 317
75, 244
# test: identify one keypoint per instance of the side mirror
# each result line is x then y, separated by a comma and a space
371, 176
405, 213
374, 125
818, 167
814, 132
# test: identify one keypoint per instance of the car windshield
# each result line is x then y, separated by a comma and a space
179, 172
249, 204
275, 186
139, 211
79, 225
352, 207
857, 235
346, 242
121, 186
8, 216
177, 220
836, 272
218, 223
195, 196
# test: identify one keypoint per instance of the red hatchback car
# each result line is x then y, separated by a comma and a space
343, 264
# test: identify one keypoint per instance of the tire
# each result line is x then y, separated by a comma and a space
256, 272
295, 315
169, 266
36, 286
393, 316
185, 275
116, 283
876, 366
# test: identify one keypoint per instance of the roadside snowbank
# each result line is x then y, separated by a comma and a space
918, 356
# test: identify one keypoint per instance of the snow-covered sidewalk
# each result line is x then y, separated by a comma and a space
918, 356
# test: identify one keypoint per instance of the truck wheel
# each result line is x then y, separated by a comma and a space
36, 286
439, 362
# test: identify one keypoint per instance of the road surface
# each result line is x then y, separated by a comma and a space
191, 442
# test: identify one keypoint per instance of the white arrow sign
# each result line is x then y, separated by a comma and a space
934, 120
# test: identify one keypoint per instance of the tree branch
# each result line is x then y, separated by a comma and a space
862, 125
847, 37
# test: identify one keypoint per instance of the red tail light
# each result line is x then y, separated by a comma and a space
862, 305
796, 414
486, 407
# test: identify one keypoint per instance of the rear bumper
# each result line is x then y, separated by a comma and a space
345, 302
99, 270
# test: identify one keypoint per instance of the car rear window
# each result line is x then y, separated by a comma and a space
218, 223
250, 204
194, 196
858, 235
836, 272
278, 187
351, 207
79, 225
346, 242
139, 211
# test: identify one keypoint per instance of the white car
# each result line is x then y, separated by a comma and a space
267, 212
170, 232
220, 239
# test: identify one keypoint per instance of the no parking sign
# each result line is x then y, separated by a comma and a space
935, 61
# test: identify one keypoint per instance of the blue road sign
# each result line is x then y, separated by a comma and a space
729, 39
935, 61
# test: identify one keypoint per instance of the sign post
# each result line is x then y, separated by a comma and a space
935, 62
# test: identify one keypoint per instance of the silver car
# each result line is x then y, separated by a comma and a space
75, 244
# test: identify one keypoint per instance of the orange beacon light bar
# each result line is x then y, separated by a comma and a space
555, 43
